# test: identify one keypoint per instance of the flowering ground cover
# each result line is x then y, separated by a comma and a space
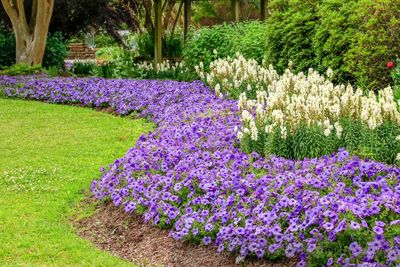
48, 156
189, 175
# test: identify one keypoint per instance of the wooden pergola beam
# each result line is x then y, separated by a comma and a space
157, 32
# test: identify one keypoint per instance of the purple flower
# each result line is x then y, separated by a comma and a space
354, 225
206, 240
378, 230
355, 249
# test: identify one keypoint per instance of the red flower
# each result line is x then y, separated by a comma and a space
390, 64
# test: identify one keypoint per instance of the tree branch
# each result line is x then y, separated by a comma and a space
11, 11
21, 15
32, 21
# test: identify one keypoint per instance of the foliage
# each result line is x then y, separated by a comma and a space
333, 37
189, 176
375, 43
55, 52
172, 45
125, 66
104, 40
7, 47
396, 79
353, 38
225, 40
71, 17
84, 67
109, 53
291, 28
21, 69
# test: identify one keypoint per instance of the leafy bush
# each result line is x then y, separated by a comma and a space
7, 47
333, 37
375, 43
104, 40
354, 38
21, 69
291, 28
395, 77
219, 41
125, 66
84, 67
109, 53
172, 45
55, 52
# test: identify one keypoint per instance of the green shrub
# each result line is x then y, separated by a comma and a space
109, 53
396, 79
291, 28
333, 37
375, 43
21, 69
219, 41
104, 40
105, 70
172, 45
7, 47
84, 68
353, 38
125, 66
56, 51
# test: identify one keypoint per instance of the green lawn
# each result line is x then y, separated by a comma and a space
49, 155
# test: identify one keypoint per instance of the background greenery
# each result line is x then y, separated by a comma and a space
248, 38
354, 38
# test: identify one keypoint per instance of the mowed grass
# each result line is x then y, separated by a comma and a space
49, 154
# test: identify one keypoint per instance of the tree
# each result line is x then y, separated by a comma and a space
30, 36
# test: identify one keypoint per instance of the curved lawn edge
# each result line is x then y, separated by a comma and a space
48, 155
189, 175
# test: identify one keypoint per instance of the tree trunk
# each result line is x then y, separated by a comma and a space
30, 37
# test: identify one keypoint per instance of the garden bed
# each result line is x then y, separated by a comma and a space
127, 236
190, 176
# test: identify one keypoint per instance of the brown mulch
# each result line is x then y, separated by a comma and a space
127, 236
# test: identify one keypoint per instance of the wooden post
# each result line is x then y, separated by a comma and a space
263, 9
157, 32
187, 14
235, 9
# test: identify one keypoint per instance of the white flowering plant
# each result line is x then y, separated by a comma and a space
305, 115
126, 67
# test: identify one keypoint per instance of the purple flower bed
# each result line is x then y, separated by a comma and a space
190, 176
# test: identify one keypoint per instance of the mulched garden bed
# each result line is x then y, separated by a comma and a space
127, 236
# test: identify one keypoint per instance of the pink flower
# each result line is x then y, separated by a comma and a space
390, 64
